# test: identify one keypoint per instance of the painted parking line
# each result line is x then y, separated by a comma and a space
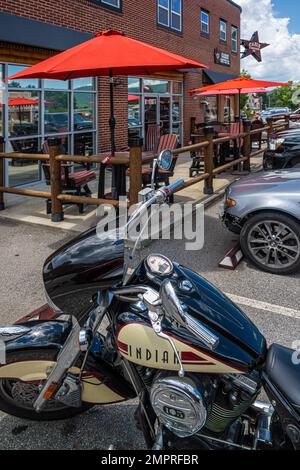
257, 304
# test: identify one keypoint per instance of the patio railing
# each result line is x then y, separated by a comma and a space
134, 161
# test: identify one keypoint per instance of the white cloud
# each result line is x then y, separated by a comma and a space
281, 60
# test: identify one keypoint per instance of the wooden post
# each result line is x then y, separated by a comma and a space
247, 145
57, 214
2, 182
209, 160
135, 165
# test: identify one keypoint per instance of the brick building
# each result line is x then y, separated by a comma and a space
78, 111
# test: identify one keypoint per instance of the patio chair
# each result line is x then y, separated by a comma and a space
235, 145
73, 183
152, 137
166, 141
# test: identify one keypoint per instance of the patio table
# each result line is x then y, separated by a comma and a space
119, 185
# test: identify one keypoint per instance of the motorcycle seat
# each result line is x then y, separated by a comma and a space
284, 372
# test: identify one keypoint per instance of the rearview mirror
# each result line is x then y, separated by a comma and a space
164, 160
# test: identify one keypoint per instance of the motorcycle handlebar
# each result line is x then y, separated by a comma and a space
159, 197
174, 186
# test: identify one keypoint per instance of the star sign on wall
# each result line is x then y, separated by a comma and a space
253, 47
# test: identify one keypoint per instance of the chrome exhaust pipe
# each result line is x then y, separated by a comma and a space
9, 333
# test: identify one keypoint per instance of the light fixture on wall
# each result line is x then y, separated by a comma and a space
119, 82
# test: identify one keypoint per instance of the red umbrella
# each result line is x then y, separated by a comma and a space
239, 84
133, 98
22, 102
109, 53
245, 91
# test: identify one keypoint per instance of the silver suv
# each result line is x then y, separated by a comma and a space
265, 211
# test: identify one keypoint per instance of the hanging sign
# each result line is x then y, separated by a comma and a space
253, 47
222, 57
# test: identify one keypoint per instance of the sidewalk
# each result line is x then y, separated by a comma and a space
33, 210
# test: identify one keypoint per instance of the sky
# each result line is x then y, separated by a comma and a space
277, 22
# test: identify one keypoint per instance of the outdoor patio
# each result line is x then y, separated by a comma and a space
33, 210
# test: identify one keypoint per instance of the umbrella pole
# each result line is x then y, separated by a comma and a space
240, 127
112, 126
112, 120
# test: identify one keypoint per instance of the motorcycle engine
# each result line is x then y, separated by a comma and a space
202, 402
181, 404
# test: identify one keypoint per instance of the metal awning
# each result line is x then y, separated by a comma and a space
20, 30
218, 77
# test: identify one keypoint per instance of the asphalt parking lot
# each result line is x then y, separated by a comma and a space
272, 302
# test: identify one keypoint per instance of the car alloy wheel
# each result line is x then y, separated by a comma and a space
273, 244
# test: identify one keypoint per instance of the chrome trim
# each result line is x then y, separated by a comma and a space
202, 333
9, 333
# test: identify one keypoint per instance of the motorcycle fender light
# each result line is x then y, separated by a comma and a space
50, 391
230, 202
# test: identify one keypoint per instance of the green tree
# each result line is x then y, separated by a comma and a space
286, 96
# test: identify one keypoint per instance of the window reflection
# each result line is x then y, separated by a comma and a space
1, 112
176, 109
156, 86
56, 115
83, 144
56, 84
210, 111
134, 85
83, 84
23, 113
134, 116
23, 171
24, 82
83, 111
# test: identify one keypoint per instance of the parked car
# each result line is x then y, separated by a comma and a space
273, 112
265, 211
58, 122
284, 148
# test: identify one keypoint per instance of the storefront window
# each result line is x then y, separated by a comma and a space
1, 99
35, 110
83, 144
23, 113
134, 85
23, 171
159, 105
83, 116
56, 116
56, 84
156, 86
134, 116
24, 83
176, 109
210, 109
83, 84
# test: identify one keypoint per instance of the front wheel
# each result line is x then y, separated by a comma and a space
17, 397
271, 240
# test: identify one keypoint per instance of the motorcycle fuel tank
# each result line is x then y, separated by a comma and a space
75, 272
241, 346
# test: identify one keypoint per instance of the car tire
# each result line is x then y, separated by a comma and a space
284, 255
8, 395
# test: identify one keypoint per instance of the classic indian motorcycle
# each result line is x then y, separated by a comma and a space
195, 361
